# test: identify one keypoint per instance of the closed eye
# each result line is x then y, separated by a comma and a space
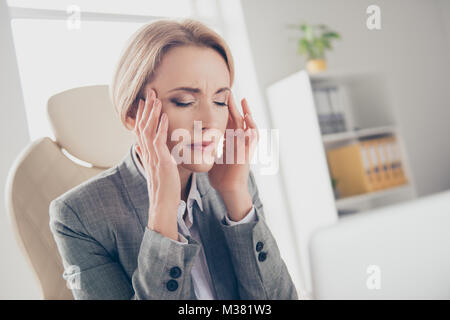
181, 104
221, 104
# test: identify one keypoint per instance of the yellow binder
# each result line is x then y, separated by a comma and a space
376, 166
383, 148
347, 166
398, 172
365, 146
366, 164
386, 182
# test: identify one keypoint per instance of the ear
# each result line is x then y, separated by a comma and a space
130, 118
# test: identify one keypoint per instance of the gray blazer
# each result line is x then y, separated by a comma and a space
100, 228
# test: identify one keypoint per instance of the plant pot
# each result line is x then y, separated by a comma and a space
316, 65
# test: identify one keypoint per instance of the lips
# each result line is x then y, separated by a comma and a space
201, 145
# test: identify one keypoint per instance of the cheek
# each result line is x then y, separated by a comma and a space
224, 120
179, 128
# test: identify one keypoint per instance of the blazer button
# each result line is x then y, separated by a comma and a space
262, 256
175, 272
172, 285
259, 246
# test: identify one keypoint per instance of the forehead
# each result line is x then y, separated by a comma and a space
191, 66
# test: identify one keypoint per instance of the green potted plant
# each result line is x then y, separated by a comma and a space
315, 40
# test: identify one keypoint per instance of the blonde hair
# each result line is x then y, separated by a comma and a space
143, 54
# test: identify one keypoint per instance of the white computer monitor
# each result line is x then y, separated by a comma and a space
397, 252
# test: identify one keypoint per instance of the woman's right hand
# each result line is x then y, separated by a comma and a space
163, 180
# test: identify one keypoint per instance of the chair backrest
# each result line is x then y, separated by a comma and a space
85, 126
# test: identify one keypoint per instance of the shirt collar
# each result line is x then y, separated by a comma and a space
194, 194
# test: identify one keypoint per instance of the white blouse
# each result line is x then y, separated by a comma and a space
201, 277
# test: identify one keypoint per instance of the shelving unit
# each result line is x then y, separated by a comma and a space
355, 134
362, 201
368, 113
367, 109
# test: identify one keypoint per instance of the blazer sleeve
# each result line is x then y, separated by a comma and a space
92, 273
261, 272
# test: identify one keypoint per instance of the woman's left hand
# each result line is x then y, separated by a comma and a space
231, 179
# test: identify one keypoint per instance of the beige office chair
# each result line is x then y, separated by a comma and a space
86, 126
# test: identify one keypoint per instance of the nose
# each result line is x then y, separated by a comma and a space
208, 118
208, 114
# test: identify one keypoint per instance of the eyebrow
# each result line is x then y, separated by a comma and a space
197, 90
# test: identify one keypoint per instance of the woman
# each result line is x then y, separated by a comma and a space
170, 221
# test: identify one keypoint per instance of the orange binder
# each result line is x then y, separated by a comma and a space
384, 170
397, 168
347, 166
375, 163
387, 166
366, 165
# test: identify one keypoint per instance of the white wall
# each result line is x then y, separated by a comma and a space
412, 48
444, 8
16, 279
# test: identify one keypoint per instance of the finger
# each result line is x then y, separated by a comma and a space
152, 123
136, 127
254, 133
139, 151
147, 109
249, 120
142, 123
161, 140
150, 129
235, 115
146, 139
245, 107
149, 98
163, 127
138, 115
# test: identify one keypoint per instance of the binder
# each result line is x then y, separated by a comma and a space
397, 166
365, 147
386, 182
323, 110
349, 167
383, 147
372, 164
366, 164
375, 163
337, 109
